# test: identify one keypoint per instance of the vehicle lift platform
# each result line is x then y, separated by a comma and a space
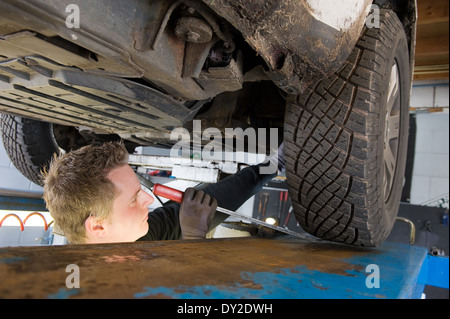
283, 267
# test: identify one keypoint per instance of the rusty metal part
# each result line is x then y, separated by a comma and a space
224, 35
412, 233
220, 112
195, 57
229, 77
193, 30
164, 21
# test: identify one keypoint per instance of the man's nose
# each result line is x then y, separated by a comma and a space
148, 199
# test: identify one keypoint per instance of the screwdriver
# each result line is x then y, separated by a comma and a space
177, 196
263, 198
282, 203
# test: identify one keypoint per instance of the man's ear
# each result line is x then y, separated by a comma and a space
95, 227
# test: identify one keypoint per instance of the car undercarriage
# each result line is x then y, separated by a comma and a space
92, 71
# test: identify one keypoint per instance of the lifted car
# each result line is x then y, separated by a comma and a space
334, 78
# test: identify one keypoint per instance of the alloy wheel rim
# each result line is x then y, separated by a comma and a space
392, 131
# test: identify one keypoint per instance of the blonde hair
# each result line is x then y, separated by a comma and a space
76, 186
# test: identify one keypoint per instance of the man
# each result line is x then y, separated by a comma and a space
94, 196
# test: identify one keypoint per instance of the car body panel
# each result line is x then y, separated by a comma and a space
292, 37
341, 17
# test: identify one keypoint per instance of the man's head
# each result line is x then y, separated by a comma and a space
95, 197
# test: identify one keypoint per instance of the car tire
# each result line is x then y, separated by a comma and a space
346, 141
30, 145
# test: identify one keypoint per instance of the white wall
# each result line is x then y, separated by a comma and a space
430, 178
429, 95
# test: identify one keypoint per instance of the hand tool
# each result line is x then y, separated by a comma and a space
280, 203
263, 199
177, 196
283, 201
287, 218
286, 194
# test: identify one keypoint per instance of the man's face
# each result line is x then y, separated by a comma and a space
130, 208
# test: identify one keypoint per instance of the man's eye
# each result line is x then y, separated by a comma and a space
134, 200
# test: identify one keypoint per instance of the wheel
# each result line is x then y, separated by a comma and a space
29, 144
346, 141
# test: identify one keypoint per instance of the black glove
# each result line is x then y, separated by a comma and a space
196, 213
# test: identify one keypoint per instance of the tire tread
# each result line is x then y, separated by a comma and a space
331, 145
28, 145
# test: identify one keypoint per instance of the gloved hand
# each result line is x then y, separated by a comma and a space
196, 213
